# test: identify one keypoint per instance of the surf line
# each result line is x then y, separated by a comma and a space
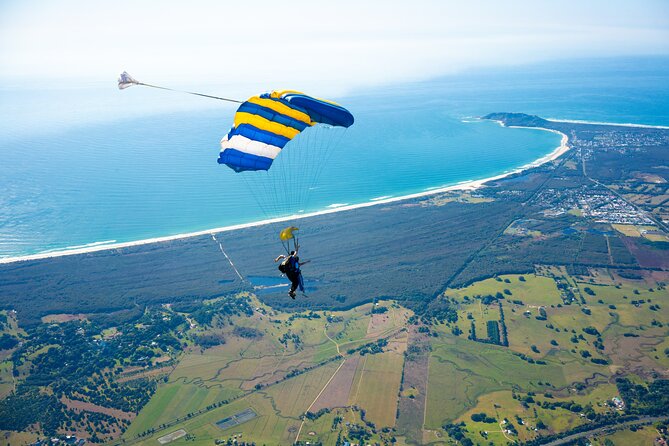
220, 245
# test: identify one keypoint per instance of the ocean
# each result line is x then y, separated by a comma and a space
88, 164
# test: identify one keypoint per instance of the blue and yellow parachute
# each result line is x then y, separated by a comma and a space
265, 124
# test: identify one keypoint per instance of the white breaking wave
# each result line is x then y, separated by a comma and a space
86, 245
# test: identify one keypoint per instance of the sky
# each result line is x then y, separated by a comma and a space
336, 45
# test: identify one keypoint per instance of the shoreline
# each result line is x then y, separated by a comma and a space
616, 124
470, 185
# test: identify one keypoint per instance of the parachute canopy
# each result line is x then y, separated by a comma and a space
264, 124
287, 233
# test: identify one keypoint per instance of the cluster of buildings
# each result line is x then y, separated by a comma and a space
68, 440
600, 205
618, 403
624, 140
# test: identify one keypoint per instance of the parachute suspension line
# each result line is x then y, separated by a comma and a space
329, 144
305, 152
254, 193
286, 244
319, 163
267, 181
304, 191
220, 245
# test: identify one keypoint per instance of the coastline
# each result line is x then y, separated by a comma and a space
615, 124
462, 186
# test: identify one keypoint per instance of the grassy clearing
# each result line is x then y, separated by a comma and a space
294, 396
536, 290
326, 429
661, 352
644, 436
498, 405
6, 379
628, 230
501, 405
459, 373
18, 438
278, 409
177, 400
378, 387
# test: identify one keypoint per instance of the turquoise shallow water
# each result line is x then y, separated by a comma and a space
92, 164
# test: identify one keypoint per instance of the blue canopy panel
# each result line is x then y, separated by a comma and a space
240, 161
321, 111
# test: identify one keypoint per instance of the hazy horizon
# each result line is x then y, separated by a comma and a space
337, 49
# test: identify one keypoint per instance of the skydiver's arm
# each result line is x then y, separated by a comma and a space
279, 258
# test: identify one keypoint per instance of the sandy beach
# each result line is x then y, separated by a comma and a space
338, 207
643, 126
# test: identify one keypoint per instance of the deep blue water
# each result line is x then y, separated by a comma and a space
90, 164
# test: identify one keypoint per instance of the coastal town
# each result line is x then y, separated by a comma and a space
598, 204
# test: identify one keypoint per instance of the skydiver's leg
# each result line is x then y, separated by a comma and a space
295, 282
300, 281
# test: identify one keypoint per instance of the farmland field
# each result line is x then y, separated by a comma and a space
321, 362
377, 386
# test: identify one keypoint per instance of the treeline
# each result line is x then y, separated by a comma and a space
651, 399
74, 360
222, 308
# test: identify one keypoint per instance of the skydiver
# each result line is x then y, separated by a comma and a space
291, 268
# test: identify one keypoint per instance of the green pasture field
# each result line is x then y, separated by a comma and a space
377, 387
176, 401
644, 436
6, 378
659, 351
481, 314
19, 438
464, 377
498, 405
461, 371
203, 377
501, 405
537, 290
597, 396
278, 407
293, 396
321, 430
